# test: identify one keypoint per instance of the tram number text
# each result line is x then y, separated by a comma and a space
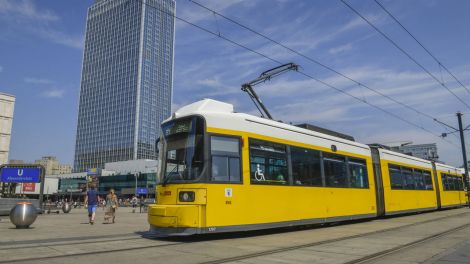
211, 229
228, 202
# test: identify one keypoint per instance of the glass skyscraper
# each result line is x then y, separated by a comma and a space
126, 82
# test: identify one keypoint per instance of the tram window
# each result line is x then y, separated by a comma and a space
450, 182
456, 183
455, 180
445, 183
396, 179
306, 169
358, 173
220, 169
410, 183
225, 153
268, 162
460, 184
335, 170
428, 180
418, 175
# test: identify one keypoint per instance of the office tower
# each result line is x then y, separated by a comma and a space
7, 106
127, 78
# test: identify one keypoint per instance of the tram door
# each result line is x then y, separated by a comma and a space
436, 185
379, 187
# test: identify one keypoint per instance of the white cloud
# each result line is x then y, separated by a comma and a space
196, 14
62, 38
24, 16
37, 81
340, 49
54, 93
221, 67
212, 82
26, 9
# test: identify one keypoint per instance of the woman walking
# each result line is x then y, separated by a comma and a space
111, 206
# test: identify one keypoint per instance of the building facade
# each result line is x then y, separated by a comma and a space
423, 151
7, 107
52, 166
127, 79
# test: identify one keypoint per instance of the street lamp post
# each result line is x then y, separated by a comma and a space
70, 190
136, 175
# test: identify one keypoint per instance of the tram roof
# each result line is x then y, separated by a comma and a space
447, 168
222, 115
404, 158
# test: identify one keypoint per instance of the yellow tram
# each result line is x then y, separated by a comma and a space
450, 181
223, 171
407, 182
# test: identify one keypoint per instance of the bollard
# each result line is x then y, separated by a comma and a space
23, 214
66, 208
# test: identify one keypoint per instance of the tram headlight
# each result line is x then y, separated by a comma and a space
186, 196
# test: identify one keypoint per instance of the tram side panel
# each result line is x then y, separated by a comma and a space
271, 202
408, 184
451, 185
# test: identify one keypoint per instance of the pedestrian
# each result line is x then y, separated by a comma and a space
111, 206
91, 201
134, 202
141, 203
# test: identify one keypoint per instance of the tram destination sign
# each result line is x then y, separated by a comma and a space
20, 175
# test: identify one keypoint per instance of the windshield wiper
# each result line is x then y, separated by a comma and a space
169, 175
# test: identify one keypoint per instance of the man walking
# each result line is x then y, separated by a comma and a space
91, 201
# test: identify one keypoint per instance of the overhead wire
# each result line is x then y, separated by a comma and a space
404, 52
430, 54
360, 84
300, 72
313, 60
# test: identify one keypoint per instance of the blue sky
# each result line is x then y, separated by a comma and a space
41, 46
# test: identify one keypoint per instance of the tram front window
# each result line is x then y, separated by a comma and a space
183, 147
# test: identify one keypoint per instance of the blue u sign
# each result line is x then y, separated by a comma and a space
20, 175
142, 191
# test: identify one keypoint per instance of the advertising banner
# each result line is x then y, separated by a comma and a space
29, 187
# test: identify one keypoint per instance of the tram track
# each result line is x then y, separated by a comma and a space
387, 252
361, 260
58, 242
88, 253
63, 239
52, 244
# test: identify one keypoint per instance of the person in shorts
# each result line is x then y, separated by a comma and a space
91, 201
111, 205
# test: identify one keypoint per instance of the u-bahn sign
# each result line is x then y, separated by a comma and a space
142, 191
20, 175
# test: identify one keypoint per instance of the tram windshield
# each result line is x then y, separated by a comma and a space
183, 150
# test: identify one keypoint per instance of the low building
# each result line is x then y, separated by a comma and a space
132, 166
16, 162
7, 106
423, 151
33, 189
127, 178
52, 165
